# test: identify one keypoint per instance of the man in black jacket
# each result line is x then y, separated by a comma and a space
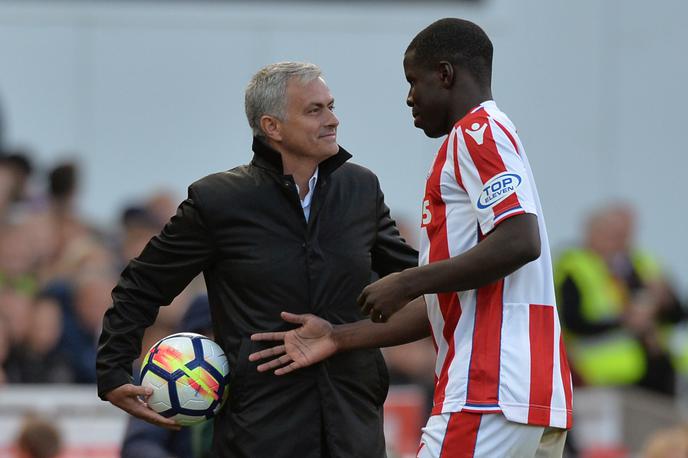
299, 228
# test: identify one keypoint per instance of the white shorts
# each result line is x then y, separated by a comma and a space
475, 435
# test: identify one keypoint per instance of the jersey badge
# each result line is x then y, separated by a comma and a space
477, 132
498, 188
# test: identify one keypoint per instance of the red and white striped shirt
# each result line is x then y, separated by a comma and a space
499, 347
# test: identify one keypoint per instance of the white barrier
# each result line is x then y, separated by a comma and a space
91, 428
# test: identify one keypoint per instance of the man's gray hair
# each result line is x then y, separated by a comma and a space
266, 93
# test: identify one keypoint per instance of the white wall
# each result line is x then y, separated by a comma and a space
151, 95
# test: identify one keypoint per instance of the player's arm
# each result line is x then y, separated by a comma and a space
512, 244
316, 339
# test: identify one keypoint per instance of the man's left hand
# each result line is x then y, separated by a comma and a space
385, 297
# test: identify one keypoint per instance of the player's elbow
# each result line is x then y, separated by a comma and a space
530, 250
526, 245
519, 239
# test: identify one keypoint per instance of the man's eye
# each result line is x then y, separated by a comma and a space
331, 107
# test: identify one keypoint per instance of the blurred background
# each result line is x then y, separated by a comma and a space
110, 109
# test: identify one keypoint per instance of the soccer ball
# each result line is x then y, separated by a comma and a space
189, 375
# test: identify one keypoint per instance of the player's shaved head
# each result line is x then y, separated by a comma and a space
460, 42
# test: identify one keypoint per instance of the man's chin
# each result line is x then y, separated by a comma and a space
330, 147
430, 132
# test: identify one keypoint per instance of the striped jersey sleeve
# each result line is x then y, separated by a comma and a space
491, 170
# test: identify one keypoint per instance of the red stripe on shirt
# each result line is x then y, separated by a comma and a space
439, 251
483, 374
455, 157
508, 134
566, 380
485, 155
461, 435
541, 363
507, 204
489, 163
451, 312
434, 344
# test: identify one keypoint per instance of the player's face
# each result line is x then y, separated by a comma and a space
426, 97
309, 128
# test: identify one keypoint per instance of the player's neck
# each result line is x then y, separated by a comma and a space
466, 103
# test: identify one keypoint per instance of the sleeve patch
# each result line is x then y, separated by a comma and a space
498, 188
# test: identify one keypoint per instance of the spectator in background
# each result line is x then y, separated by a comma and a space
82, 282
6, 187
17, 259
162, 205
37, 358
91, 295
614, 303
145, 440
668, 443
5, 345
15, 170
139, 225
19, 163
63, 186
38, 438
60, 236
15, 306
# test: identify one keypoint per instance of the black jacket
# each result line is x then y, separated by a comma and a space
245, 230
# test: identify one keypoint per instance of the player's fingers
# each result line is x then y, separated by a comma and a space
294, 318
286, 369
274, 351
139, 409
157, 419
366, 306
268, 336
281, 361
139, 391
361, 300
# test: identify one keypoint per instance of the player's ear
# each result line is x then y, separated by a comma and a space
271, 126
446, 74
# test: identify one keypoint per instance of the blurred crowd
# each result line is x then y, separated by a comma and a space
57, 271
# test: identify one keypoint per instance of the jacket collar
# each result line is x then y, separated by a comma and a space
266, 157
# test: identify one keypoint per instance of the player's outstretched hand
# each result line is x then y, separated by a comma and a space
131, 399
306, 345
384, 298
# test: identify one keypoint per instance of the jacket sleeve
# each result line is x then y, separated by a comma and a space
390, 252
166, 265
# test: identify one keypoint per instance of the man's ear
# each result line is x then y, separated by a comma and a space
446, 73
271, 127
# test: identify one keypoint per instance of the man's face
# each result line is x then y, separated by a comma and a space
427, 98
310, 126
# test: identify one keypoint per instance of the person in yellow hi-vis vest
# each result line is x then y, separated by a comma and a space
620, 317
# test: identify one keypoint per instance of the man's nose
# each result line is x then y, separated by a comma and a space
333, 120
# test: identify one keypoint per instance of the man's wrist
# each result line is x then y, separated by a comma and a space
410, 280
337, 337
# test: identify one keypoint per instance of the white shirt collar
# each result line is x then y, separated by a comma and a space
306, 201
